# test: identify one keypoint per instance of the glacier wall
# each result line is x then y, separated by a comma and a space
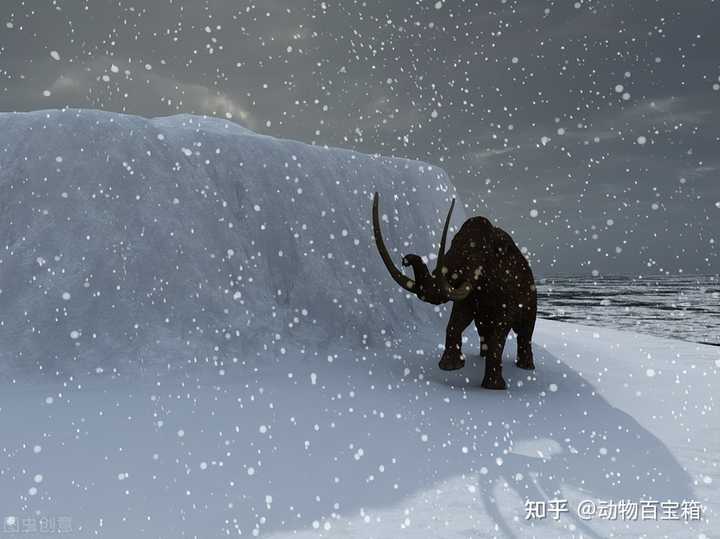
127, 241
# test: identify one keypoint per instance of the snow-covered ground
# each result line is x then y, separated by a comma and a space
375, 444
208, 393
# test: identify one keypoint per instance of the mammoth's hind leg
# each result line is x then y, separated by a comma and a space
524, 352
524, 331
460, 318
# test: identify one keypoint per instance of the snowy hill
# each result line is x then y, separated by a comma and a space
143, 245
129, 241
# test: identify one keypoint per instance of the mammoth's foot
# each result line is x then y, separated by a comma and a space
524, 353
494, 382
493, 377
451, 361
525, 363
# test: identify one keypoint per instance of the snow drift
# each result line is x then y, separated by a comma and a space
191, 239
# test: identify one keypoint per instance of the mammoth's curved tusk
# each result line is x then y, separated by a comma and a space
400, 278
441, 251
458, 293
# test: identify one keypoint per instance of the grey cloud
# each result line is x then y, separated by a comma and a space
369, 75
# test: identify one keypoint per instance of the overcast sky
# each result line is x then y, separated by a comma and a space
590, 130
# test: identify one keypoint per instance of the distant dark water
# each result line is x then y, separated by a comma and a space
685, 308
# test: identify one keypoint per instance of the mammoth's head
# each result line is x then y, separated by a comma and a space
431, 287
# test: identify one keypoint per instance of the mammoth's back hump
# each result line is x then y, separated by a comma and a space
478, 238
481, 232
475, 229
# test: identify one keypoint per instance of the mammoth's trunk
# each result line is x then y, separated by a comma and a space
422, 274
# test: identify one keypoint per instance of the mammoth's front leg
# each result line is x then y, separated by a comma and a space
495, 343
460, 318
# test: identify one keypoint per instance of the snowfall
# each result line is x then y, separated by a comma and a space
198, 339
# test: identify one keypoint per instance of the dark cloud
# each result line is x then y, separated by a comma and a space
589, 129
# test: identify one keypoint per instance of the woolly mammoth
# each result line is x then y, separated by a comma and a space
489, 282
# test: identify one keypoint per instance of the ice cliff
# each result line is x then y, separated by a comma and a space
133, 241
